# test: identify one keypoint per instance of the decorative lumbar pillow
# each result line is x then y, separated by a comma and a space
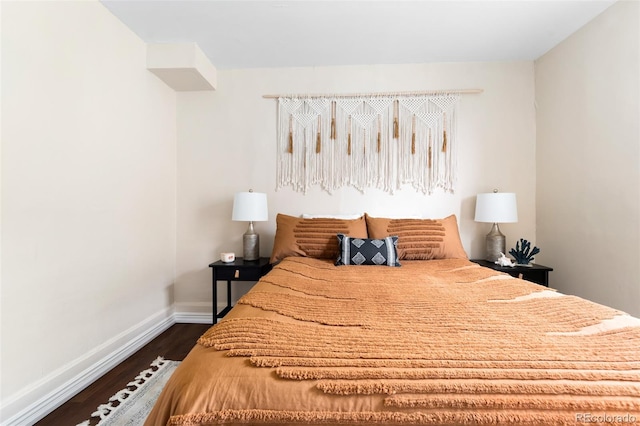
367, 251
420, 239
312, 237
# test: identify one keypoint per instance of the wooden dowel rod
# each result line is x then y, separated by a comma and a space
380, 94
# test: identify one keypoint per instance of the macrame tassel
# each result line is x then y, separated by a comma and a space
444, 141
430, 153
413, 135
349, 137
396, 127
444, 133
290, 147
318, 138
333, 120
379, 139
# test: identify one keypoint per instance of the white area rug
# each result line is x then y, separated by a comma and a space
132, 405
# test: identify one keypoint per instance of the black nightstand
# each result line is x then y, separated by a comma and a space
238, 270
538, 274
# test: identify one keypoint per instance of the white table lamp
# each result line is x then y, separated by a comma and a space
250, 207
496, 207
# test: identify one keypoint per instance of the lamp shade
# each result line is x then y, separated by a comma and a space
250, 207
496, 207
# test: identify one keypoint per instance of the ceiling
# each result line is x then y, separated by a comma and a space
303, 33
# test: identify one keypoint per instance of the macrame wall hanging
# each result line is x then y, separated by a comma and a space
369, 141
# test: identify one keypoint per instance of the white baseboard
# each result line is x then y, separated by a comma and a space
38, 403
193, 318
195, 312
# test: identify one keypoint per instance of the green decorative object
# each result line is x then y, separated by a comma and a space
523, 253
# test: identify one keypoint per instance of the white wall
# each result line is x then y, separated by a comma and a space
226, 143
588, 159
88, 194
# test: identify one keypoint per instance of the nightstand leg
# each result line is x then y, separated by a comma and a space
228, 293
214, 300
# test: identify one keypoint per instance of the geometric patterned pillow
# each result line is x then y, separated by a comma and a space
367, 251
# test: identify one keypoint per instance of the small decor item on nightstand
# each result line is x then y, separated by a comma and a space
504, 261
227, 257
523, 253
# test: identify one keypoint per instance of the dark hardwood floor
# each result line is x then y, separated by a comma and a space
174, 344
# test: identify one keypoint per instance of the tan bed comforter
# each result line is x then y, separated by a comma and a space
431, 342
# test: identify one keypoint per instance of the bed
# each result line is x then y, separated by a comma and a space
435, 339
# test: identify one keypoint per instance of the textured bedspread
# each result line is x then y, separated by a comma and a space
431, 342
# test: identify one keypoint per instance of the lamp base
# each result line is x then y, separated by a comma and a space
251, 244
495, 243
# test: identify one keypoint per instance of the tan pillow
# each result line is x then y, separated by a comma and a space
420, 239
313, 237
